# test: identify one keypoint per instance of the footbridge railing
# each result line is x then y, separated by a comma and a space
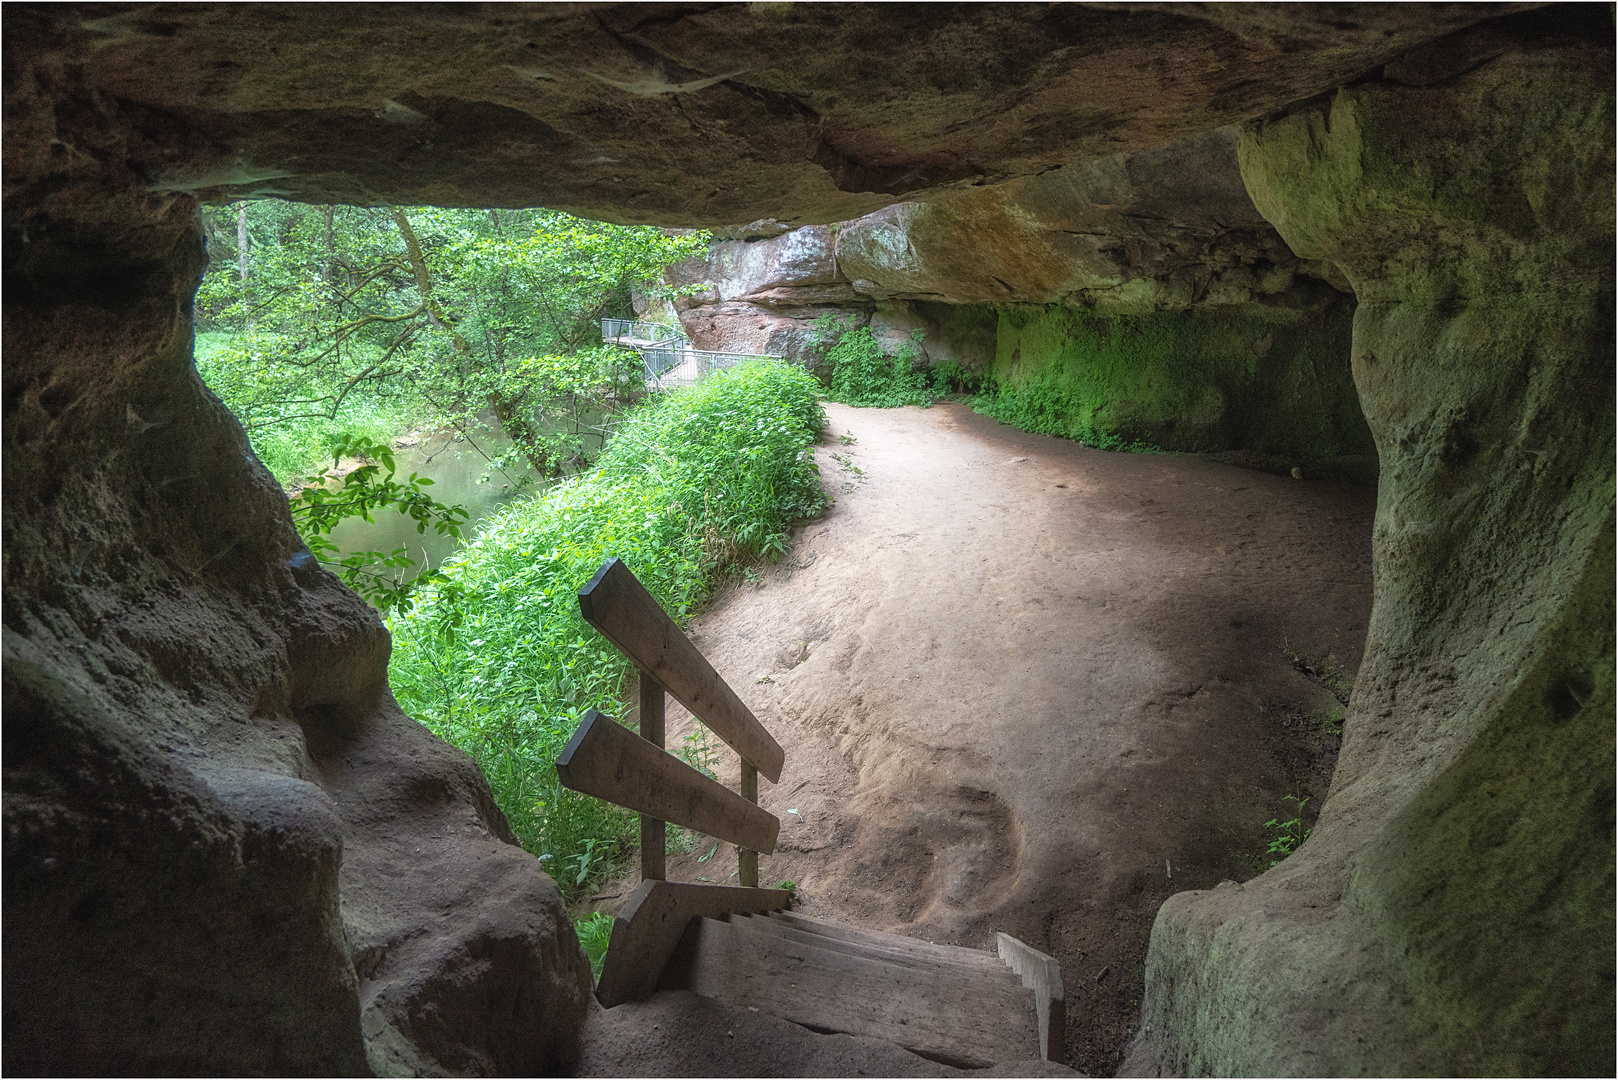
638, 334
608, 761
666, 353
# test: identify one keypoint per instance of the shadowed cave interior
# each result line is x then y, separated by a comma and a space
1356, 237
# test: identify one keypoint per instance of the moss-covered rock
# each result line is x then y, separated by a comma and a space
1267, 378
1452, 912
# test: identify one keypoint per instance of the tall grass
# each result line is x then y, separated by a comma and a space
496, 659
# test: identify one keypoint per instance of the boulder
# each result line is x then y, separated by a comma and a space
760, 330
798, 263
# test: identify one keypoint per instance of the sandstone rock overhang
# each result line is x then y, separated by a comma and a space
675, 114
215, 814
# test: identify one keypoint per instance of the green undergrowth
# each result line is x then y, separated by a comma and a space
1268, 378
293, 439
595, 931
495, 658
1049, 407
864, 376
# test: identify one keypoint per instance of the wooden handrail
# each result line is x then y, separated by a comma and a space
619, 606
608, 761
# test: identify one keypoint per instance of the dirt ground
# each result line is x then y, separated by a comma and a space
1028, 686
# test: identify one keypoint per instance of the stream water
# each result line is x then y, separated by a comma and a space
458, 465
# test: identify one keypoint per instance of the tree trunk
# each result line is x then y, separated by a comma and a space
242, 266
518, 426
241, 243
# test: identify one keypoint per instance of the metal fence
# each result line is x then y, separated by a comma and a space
666, 351
635, 333
669, 368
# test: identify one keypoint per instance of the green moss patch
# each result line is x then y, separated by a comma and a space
1268, 378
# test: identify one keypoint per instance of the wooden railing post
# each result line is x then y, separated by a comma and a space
747, 868
652, 836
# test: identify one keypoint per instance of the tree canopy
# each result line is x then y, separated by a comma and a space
456, 313
330, 329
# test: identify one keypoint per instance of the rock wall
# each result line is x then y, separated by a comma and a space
1140, 298
227, 852
1267, 379
1453, 911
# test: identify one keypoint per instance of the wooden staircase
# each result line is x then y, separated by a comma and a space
960, 1007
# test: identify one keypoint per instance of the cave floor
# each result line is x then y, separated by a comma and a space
1029, 686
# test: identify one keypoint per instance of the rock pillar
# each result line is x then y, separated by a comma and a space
1453, 911
227, 851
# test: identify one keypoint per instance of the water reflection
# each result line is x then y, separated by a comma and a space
456, 463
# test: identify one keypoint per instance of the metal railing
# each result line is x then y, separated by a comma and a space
667, 354
669, 368
636, 333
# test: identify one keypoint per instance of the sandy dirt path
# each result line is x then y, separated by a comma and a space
1028, 686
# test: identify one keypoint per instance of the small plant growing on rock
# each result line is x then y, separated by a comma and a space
1288, 834
595, 931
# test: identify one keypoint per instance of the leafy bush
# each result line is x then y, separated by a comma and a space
950, 376
863, 375
494, 656
321, 507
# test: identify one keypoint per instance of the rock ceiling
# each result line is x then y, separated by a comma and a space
693, 114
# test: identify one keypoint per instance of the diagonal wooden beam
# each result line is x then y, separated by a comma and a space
607, 760
619, 606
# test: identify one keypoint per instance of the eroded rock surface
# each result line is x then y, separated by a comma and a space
685, 114
226, 850
1453, 910
1165, 228
1141, 298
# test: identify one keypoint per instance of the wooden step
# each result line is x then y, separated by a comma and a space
955, 1013
651, 924
890, 942
943, 968
971, 962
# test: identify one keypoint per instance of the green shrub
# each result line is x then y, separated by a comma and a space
495, 658
863, 375
949, 376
